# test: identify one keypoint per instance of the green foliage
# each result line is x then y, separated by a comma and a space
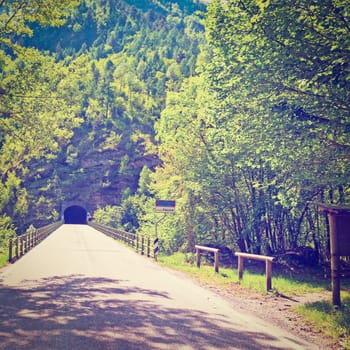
268, 134
109, 216
285, 124
36, 104
131, 104
7, 231
112, 74
134, 210
144, 185
16, 16
278, 66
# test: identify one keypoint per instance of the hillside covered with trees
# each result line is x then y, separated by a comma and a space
238, 110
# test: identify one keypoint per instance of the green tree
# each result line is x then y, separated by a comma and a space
286, 68
109, 216
36, 108
17, 16
282, 78
248, 144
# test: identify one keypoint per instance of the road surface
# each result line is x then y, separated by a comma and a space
81, 290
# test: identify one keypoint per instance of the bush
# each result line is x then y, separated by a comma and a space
7, 231
109, 216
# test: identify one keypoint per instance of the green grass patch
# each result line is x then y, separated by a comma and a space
253, 278
3, 258
185, 263
334, 323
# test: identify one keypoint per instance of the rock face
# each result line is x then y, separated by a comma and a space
94, 179
120, 54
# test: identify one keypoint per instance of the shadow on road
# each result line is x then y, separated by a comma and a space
77, 312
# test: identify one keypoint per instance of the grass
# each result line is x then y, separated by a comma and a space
334, 323
3, 258
322, 316
254, 277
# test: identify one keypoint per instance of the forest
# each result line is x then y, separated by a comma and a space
238, 110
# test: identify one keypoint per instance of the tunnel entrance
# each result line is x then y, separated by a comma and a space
75, 215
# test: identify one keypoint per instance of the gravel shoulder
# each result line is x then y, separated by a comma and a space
279, 310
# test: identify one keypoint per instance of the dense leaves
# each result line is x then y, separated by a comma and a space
245, 130
275, 133
80, 115
37, 107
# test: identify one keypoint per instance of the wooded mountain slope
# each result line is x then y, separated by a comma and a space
239, 111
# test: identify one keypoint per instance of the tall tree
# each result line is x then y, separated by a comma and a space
36, 108
288, 69
16, 16
274, 134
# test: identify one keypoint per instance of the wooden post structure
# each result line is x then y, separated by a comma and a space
148, 247
10, 250
339, 224
268, 266
268, 274
20, 245
200, 248
198, 257
240, 267
16, 248
216, 261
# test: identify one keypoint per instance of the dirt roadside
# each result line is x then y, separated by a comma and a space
280, 310
277, 309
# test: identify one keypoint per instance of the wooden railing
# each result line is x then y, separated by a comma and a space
200, 248
268, 266
141, 244
24, 243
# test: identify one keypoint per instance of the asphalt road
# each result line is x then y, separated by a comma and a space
81, 290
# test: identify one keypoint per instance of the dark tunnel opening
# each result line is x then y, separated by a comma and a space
75, 215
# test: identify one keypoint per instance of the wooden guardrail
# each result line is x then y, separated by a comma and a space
268, 266
200, 248
24, 243
141, 244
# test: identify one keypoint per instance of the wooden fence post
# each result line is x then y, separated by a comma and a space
20, 246
16, 249
268, 266
199, 248
268, 275
216, 261
240, 267
10, 250
198, 254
